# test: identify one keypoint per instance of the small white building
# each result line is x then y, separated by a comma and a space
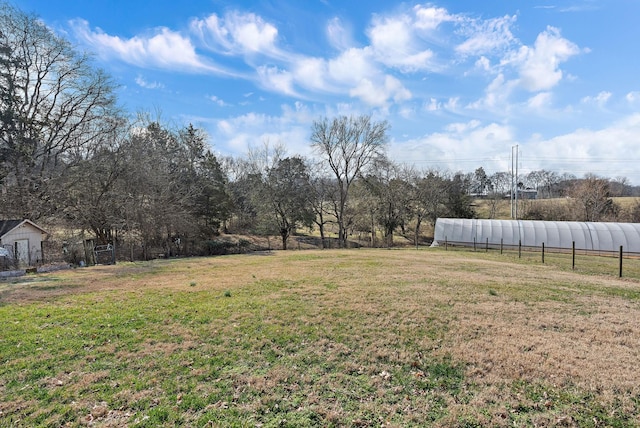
22, 240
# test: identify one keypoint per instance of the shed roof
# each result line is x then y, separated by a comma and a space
7, 226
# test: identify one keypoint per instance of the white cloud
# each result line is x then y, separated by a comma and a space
539, 101
633, 97
432, 105
539, 65
140, 81
460, 146
217, 100
378, 93
163, 49
291, 128
483, 63
244, 33
311, 73
406, 112
600, 99
496, 95
430, 18
354, 71
400, 41
610, 151
487, 36
460, 128
613, 148
452, 104
277, 80
369, 93
338, 35
420, 52
351, 66
394, 44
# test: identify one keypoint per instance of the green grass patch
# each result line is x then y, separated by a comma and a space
325, 338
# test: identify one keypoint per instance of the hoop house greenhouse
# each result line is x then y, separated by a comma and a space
587, 236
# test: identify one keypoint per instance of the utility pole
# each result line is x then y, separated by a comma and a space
517, 181
514, 182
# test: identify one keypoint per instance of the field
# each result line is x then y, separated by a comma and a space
322, 338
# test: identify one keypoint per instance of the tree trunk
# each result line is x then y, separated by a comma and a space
322, 242
373, 232
389, 237
342, 238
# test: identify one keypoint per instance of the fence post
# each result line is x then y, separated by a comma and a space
573, 255
474, 243
543, 253
446, 245
519, 248
620, 270
501, 241
486, 248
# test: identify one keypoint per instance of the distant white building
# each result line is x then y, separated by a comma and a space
21, 240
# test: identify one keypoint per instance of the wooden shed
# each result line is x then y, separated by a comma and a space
23, 240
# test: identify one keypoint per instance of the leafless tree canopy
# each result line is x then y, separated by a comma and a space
349, 145
54, 105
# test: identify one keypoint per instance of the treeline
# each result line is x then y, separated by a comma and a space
70, 158
566, 197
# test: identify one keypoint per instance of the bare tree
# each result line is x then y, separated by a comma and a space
322, 194
620, 186
349, 145
430, 197
543, 181
592, 198
391, 191
53, 106
261, 159
91, 198
499, 185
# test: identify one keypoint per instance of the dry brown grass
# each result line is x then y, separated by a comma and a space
518, 330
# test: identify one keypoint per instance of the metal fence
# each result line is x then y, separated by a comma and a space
577, 257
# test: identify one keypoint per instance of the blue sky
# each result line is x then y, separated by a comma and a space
460, 82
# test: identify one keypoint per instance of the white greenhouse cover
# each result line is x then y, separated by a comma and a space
531, 233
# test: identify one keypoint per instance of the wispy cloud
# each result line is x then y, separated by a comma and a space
419, 40
220, 102
164, 48
394, 44
601, 99
142, 82
487, 36
237, 34
633, 97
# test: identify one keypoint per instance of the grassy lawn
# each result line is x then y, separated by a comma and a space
322, 338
